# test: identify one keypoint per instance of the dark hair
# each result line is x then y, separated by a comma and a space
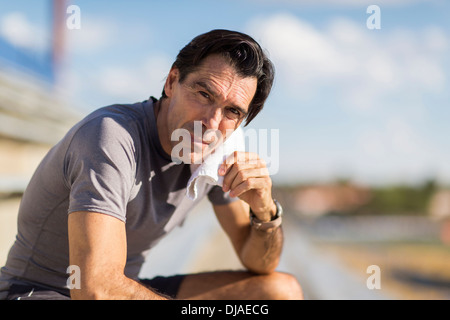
244, 54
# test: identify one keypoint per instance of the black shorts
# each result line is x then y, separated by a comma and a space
167, 286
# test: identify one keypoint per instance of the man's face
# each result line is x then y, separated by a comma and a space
214, 98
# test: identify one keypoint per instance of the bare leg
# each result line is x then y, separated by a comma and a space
239, 285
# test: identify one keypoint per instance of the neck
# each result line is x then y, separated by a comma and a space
156, 109
161, 126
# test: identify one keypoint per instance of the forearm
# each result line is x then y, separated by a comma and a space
114, 287
262, 250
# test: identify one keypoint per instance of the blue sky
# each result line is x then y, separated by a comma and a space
349, 102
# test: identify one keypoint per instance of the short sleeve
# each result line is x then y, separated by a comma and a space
218, 197
100, 167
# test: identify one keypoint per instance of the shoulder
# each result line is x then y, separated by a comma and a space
114, 122
126, 116
110, 133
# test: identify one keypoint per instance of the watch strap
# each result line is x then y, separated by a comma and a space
266, 225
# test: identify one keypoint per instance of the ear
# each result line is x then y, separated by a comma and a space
171, 80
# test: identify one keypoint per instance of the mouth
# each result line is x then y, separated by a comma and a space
198, 140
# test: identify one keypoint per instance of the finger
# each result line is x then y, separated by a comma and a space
240, 172
246, 174
239, 157
247, 185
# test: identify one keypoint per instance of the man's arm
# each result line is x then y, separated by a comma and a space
97, 244
247, 177
258, 251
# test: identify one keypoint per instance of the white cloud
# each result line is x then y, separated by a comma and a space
348, 57
19, 31
93, 36
436, 40
98, 34
394, 138
133, 83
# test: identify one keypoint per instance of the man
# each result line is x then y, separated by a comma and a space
109, 190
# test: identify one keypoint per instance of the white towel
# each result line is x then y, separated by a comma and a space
207, 172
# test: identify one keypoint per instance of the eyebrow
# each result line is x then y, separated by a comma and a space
214, 93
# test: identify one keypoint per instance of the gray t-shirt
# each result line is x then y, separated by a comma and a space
111, 162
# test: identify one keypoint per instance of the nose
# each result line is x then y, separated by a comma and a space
213, 118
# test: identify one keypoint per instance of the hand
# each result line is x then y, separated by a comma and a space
246, 176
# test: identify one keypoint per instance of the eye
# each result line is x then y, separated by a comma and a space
204, 94
233, 113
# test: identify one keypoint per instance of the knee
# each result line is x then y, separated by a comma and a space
282, 286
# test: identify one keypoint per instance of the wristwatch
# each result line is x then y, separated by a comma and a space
263, 226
